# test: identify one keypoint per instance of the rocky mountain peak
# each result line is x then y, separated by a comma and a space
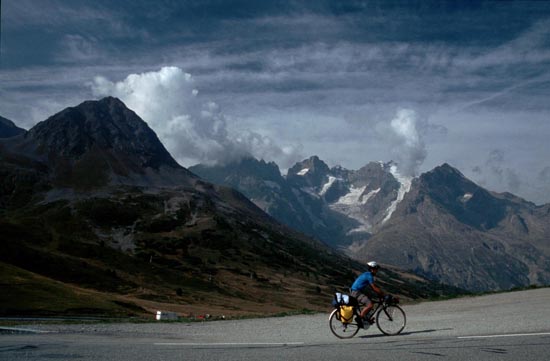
97, 144
106, 124
465, 200
311, 172
447, 177
447, 169
374, 175
266, 170
235, 172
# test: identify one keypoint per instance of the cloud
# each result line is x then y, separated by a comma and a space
404, 136
298, 74
502, 174
53, 13
263, 147
495, 174
544, 175
529, 48
193, 130
76, 48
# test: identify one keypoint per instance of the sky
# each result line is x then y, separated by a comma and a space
417, 82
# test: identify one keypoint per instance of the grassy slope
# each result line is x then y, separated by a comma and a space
28, 293
105, 256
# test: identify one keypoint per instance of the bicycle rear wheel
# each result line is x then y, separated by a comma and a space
339, 329
391, 320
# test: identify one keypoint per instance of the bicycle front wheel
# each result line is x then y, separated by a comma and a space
391, 320
339, 329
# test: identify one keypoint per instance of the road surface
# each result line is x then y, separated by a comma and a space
509, 326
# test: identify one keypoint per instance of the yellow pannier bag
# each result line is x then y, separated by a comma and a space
346, 313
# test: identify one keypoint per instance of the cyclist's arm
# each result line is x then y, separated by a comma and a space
377, 290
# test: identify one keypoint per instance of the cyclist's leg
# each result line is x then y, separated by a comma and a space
365, 311
364, 300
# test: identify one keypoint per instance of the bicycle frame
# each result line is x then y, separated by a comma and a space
379, 305
359, 308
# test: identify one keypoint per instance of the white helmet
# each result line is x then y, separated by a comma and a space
373, 265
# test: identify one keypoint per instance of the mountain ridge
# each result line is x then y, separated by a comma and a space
428, 225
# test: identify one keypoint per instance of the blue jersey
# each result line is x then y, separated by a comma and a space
364, 280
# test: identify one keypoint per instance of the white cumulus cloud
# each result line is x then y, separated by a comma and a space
192, 129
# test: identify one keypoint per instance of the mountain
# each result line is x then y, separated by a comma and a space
366, 196
97, 217
450, 229
263, 184
99, 143
335, 205
440, 225
9, 129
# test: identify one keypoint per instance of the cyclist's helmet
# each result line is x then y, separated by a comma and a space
373, 265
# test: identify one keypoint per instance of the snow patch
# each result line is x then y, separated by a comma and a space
311, 191
356, 196
369, 195
466, 197
361, 229
405, 186
352, 197
351, 205
303, 171
327, 186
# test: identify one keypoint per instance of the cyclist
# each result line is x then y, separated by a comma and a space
357, 288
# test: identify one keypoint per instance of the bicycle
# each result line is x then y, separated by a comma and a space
389, 318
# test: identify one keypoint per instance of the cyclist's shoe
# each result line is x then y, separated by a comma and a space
359, 321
